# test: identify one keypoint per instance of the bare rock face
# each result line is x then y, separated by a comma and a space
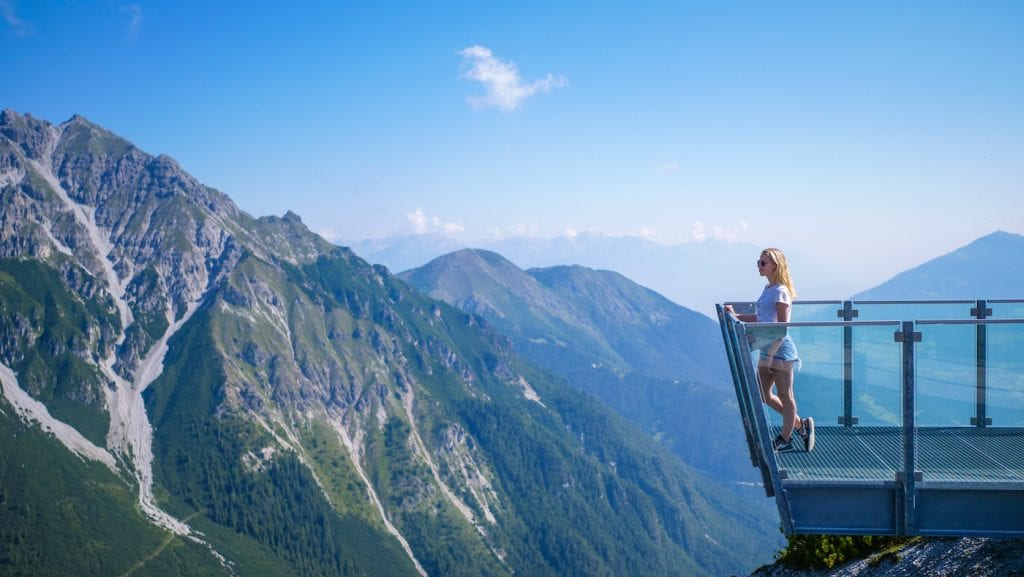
967, 557
286, 391
77, 196
30, 134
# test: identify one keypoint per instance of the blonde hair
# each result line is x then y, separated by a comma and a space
781, 275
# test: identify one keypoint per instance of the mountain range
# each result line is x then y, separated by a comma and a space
694, 274
189, 390
700, 273
644, 356
987, 268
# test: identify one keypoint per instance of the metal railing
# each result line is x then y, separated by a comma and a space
956, 366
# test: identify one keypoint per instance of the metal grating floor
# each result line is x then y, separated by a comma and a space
967, 454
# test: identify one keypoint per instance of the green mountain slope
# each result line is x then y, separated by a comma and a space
62, 516
599, 314
230, 395
656, 363
652, 334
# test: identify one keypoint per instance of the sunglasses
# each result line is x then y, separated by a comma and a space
762, 262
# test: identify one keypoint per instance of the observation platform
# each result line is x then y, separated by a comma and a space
919, 413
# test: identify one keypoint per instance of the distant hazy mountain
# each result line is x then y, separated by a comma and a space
188, 390
657, 363
693, 274
991, 267
400, 253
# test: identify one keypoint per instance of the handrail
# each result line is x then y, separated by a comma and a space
755, 418
731, 355
827, 323
894, 302
916, 302
740, 337
1011, 321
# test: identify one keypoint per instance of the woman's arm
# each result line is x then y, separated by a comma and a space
739, 317
782, 311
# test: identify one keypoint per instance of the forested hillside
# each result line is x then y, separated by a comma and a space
188, 390
659, 365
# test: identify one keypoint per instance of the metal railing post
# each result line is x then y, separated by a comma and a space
980, 419
906, 499
847, 313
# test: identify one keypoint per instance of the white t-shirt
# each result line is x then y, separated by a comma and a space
765, 308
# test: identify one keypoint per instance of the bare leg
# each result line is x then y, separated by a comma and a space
766, 377
785, 401
784, 384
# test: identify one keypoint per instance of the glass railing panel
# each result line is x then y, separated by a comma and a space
960, 433
737, 370
764, 338
842, 453
945, 375
1006, 309
817, 311
951, 447
818, 382
913, 310
877, 376
1003, 440
803, 311
1005, 374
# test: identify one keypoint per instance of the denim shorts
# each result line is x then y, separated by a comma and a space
783, 357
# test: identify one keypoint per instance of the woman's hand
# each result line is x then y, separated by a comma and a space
742, 318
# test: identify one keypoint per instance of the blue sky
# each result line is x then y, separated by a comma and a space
880, 134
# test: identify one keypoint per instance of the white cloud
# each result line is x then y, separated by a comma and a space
135, 13
647, 232
531, 229
18, 26
423, 224
417, 220
697, 231
328, 233
732, 233
448, 228
504, 87
524, 229
668, 167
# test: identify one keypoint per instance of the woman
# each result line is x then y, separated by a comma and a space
779, 359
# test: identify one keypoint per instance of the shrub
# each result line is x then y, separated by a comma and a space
827, 551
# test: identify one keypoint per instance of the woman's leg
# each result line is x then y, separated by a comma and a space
787, 398
766, 378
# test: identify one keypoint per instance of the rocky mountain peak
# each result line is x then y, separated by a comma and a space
32, 136
310, 413
7, 116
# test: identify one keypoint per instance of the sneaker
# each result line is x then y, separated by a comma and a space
783, 446
807, 433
